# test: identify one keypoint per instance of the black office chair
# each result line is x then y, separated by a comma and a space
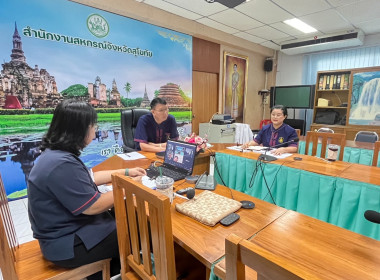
366, 136
129, 119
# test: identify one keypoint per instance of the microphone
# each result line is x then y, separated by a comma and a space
189, 194
266, 157
372, 216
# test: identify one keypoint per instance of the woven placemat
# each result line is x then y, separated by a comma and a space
208, 207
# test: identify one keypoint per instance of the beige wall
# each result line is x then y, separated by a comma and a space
256, 53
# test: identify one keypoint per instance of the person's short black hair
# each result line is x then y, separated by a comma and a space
281, 107
69, 126
156, 101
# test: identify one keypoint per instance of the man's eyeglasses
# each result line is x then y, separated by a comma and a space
162, 110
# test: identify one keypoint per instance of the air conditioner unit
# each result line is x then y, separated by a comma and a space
328, 42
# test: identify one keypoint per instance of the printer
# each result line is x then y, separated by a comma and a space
222, 119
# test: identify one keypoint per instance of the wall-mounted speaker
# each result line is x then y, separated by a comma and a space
268, 65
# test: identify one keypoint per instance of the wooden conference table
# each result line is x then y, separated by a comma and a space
300, 236
315, 250
335, 192
206, 243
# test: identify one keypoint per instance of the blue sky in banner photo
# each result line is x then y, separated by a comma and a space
74, 64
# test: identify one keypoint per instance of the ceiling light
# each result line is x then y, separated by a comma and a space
300, 25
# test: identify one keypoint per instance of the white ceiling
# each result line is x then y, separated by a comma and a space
261, 21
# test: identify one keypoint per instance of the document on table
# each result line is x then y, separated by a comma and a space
235, 148
145, 180
131, 156
260, 150
250, 148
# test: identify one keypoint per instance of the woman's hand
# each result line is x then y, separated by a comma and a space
279, 151
246, 145
137, 171
137, 179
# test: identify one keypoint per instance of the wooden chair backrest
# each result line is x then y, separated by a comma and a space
325, 139
298, 132
376, 153
241, 253
143, 218
8, 237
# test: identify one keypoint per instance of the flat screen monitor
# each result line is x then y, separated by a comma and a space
299, 97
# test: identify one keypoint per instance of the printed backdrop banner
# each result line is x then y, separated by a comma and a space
53, 50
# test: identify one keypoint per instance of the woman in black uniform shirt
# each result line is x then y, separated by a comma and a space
68, 214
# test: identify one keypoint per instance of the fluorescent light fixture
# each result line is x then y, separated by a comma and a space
300, 25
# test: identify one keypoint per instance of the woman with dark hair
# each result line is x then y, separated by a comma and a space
276, 133
68, 214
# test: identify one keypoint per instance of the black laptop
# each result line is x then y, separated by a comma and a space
178, 161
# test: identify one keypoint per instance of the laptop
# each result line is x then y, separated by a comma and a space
178, 161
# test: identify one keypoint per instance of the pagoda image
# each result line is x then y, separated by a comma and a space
170, 93
145, 103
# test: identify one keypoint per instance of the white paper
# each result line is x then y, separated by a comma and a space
257, 148
131, 156
260, 150
105, 188
145, 180
148, 182
235, 148
284, 155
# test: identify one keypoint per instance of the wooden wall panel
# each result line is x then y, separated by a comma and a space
205, 98
206, 56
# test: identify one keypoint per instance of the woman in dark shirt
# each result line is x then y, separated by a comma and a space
276, 133
68, 214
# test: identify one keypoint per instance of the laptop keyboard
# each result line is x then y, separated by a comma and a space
153, 172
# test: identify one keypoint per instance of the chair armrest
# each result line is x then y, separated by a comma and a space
128, 149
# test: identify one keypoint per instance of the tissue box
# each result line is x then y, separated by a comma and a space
323, 102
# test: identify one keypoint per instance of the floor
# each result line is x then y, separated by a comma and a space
19, 211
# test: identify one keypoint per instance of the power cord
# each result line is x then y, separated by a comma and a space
220, 176
266, 184
157, 162
275, 177
254, 173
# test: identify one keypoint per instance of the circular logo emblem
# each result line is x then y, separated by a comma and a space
97, 25
281, 140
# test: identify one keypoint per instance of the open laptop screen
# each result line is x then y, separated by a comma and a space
180, 154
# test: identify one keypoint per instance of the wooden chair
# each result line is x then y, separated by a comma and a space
325, 139
376, 153
298, 132
134, 205
241, 253
25, 261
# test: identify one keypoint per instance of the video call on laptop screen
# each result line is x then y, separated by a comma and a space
180, 154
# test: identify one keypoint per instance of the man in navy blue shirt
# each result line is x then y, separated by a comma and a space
154, 129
